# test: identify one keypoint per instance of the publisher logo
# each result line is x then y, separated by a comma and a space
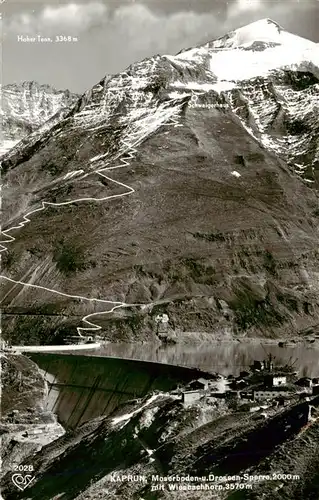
21, 481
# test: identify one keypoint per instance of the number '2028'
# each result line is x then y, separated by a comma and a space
23, 468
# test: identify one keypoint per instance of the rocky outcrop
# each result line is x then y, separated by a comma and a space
26, 426
26, 106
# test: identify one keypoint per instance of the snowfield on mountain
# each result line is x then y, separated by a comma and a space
185, 185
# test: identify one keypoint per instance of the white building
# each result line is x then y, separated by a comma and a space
189, 397
278, 380
162, 318
162, 321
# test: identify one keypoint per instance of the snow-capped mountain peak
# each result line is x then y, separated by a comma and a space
251, 51
219, 134
252, 69
266, 32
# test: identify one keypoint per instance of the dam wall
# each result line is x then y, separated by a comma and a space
84, 387
54, 348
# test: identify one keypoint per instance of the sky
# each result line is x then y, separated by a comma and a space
109, 35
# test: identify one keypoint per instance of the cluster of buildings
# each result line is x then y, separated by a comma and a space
262, 383
196, 390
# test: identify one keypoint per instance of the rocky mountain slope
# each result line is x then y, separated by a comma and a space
122, 456
25, 424
26, 106
186, 185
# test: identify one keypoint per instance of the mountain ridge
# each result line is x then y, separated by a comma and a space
253, 247
27, 105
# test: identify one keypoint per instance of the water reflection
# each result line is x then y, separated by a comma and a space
221, 357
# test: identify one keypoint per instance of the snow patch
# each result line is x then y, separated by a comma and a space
242, 65
128, 416
223, 86
6, 145
235, 173
72, 174
98, 157
194, 85
192, 55
177, 95
135, 433
148, 417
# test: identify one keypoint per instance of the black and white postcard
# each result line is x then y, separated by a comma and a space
159, 280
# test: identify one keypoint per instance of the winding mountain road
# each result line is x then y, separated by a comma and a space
131, 152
